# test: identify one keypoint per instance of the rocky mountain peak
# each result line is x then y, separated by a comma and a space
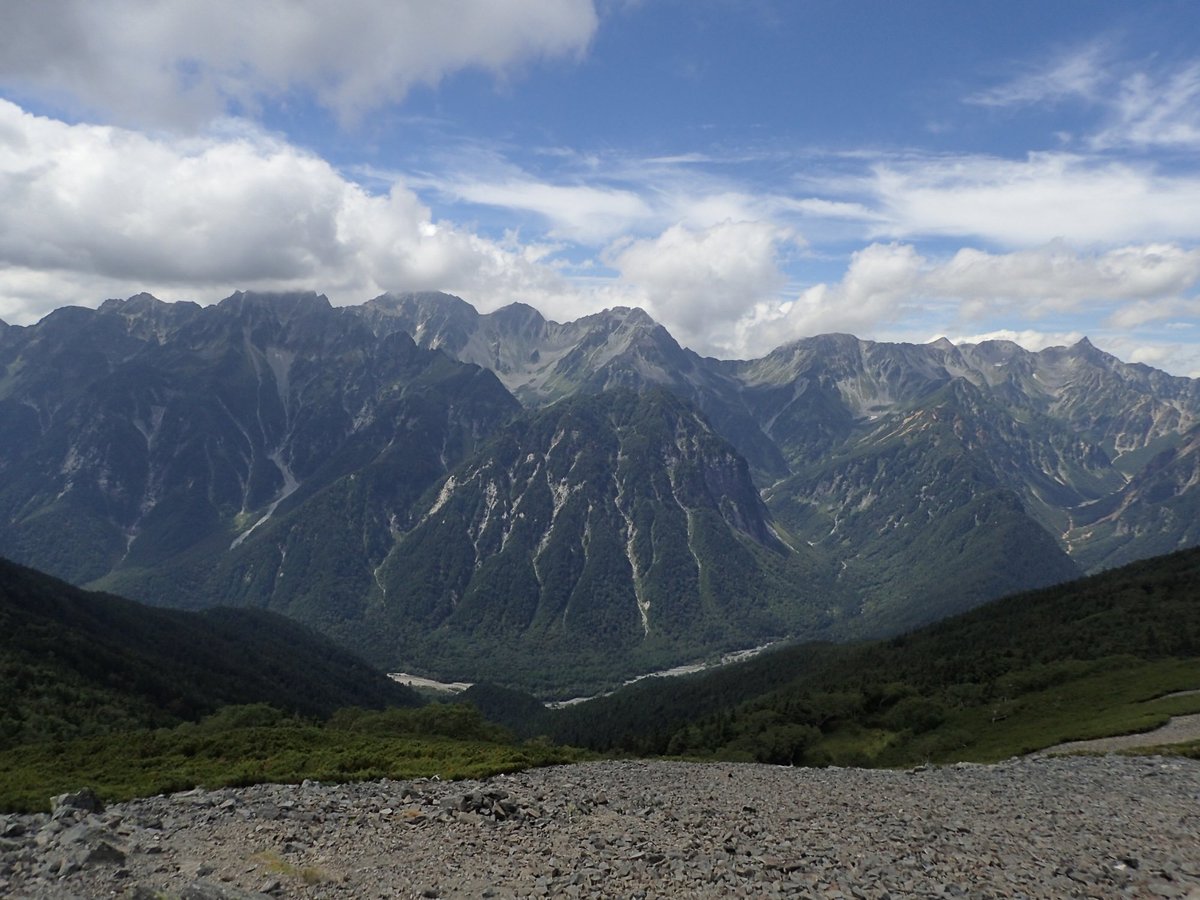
518, 320
518, 312
284, 305
633, 315
136, 303
424, 302
146, 317
434, 320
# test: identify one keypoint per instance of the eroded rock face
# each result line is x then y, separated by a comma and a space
1084, 827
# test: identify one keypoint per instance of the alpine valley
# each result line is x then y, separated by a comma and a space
558, 507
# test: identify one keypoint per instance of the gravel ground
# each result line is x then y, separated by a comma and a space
1051, 827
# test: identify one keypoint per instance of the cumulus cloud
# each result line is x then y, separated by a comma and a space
885, 283
183, 63
1143, 312
1172, 356
699, 282
1056, 277
1030, 202
90, 208
878, 285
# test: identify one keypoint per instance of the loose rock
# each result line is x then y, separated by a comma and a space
1079, 827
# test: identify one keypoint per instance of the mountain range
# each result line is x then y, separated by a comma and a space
554, 505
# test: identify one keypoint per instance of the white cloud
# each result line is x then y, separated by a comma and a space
184, 63
577, 212
594, 200
88, 212
888, 283
1077, 73
699, 282
875, 290
1056, 277
1149, 111
1139, 106
1143, 312
1170, 356
1022, 203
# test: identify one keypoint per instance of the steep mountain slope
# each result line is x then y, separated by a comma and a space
74, 662
1158, 510
616, 530
1062, 430
148, 446
1067, 426
902, 461
923, 513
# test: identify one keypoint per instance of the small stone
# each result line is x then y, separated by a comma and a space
11, 828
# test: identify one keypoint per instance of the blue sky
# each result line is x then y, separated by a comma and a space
749, 172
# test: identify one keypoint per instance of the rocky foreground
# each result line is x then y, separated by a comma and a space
1061, 827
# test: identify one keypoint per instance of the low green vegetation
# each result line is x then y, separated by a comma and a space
255, 744
132, 700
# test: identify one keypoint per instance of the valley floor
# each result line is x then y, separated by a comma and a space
1056, 827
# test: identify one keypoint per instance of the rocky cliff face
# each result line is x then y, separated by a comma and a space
142, 433
615, 525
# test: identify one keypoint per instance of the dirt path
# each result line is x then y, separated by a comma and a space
1177, 731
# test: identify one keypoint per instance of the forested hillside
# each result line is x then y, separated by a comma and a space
75, 663
1021, 673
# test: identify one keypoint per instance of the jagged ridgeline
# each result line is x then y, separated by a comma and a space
557, 505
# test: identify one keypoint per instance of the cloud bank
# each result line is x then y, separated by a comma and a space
85, 205
182, 64
734, 248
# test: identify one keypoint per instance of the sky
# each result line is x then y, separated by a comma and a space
748, 171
